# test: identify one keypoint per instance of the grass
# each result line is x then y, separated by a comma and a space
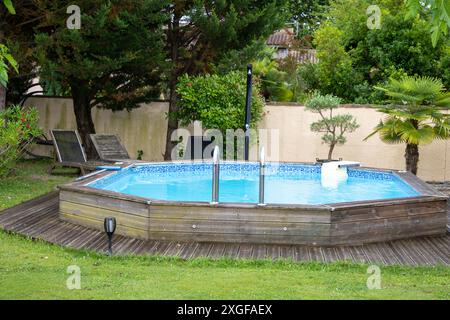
38, 270
29, 180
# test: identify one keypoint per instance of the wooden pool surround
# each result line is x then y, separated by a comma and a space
352, 223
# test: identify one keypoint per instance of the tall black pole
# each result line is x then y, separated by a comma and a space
248, 113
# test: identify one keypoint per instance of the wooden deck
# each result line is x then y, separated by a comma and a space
38, 219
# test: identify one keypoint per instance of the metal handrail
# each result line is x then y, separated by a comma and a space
262, 173
215, 176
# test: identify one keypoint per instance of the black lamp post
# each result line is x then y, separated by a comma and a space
110, 227
248, 114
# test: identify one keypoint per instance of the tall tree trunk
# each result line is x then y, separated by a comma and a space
330, 151
83, 115
412, 157
172, 124
2, 97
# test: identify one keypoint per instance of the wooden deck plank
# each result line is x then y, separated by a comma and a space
389, 254
231, 250
245, 251
410, 249
429, 256
442, 257
147, 248
217, 250
173, 250
259, 252
99, 243
162, 247
187, 250
333, 254
135, 246
302, 254
38, 219
8, 216
378, 253
39, 229
29, 217
273, 252
63, 234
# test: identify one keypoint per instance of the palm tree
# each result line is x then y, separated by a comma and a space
414, 115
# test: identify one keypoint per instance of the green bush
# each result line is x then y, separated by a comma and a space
353, 57
334, 74
274, 82
6, 59
18, 129
444, 66
218, 101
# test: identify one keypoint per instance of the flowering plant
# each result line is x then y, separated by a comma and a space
18, 128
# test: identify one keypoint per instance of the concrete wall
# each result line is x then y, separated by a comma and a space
298, 143
142, 129
145, 129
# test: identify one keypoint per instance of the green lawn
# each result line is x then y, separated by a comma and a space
37, 270
29, 180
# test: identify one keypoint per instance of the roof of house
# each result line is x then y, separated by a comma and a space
281, 38
303, 55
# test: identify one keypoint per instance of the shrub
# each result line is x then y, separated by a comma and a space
218, 101
310, 76
18, 130
334, 73
352, 56
274, 82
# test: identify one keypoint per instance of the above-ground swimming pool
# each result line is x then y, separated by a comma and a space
239, 183
172, 201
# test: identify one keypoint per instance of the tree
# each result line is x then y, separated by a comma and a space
353, 58
201, 33
274, 85
439, 19
18, 34
113, 61
414, 117
335, 70
307, 13
333, 126
5, 59
216, 101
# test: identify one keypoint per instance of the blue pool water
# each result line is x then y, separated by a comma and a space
239, 182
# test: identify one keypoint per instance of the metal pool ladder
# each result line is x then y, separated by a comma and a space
216, 175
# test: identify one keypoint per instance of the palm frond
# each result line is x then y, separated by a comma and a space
414, 90
410, 134
388, 131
